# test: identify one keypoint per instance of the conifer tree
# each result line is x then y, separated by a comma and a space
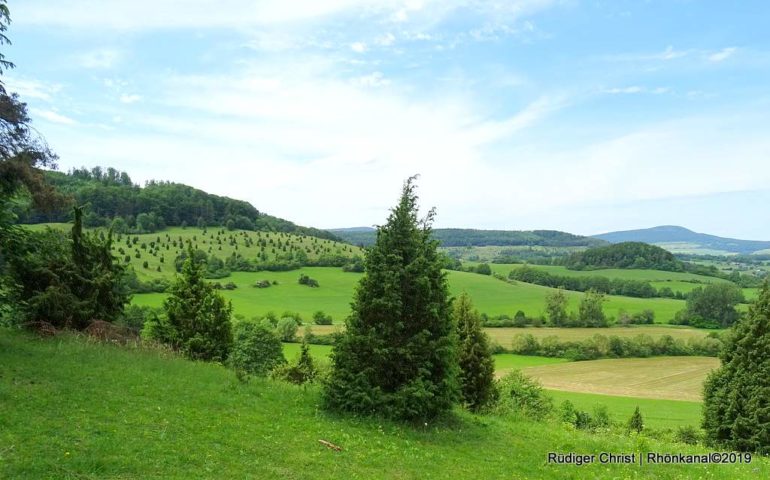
197, 318
477, 368
397, 356
736, 396
636, 423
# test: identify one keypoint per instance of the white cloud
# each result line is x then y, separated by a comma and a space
152, 14
358, 47
721, 55
130, 98
635, 89
52, 116
102, 58
375, 79
29, 88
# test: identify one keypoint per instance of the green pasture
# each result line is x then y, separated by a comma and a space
657, 413
71, 408
490, 295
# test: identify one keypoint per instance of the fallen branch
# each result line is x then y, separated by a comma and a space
334, 447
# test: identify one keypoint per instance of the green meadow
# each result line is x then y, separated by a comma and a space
490, 295
72, 408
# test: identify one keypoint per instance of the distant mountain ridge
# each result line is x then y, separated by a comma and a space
467, 237
668, 234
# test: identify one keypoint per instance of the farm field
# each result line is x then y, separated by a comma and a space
490, 295
182, 419
657, 413
669, 378
504, 336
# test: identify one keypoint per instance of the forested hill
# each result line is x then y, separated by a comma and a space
671, 234
463, 237
625, 255
114, 200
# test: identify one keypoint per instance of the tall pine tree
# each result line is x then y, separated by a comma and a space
397, 357
736, 396
477, 368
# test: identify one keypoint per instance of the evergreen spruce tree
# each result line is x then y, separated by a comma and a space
636, 423
197, 317
736, 398
397, 356
477, 368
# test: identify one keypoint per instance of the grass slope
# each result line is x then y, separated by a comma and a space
216, 242
75, 409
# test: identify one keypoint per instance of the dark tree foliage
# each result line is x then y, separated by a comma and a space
256, 349
477, 368
736, 396
23, 152
625, 255
711, 307
591, 310
66, 282
556, 308
464, 237
197, 320
111, 194
610, 286
397, 357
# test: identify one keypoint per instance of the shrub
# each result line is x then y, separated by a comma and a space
301, 372
287, 329
687, 434
310, 282
262, 284
477, 368
520, 393
636, 423
256, 349
320, 318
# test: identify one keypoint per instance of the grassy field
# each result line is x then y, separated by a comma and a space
657, 413
670, 378
676, 281
161, 248
76, 409
489, 295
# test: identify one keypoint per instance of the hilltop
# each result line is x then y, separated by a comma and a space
466, 237
682, 240
114, 200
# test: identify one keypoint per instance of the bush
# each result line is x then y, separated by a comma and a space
301, 372
320, 318
687, 434
287, 329
520, 393
262, 284
310, 282
256, 349
134, 317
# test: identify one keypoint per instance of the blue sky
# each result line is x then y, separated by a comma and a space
585, 116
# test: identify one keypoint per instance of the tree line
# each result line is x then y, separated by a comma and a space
113, 200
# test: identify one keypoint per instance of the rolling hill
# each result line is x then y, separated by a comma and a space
682, 240
466, 237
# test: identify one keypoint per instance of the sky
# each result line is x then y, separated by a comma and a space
575, 115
